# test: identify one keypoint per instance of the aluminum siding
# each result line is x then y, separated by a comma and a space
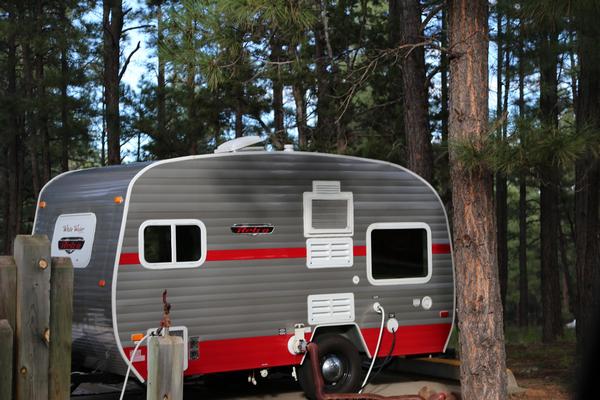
231, 299
91, 190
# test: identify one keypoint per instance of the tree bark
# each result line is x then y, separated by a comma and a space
279, 134
414, 88
523, 277
483, 368
42, 118
325, 134
161, 85
587, 176
112, 25
549, 192
444, 76
64, 104
301, 124
501, 184
13, 221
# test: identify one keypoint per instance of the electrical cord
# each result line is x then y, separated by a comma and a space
379, 309
387, 359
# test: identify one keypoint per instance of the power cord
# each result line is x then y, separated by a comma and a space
378, 308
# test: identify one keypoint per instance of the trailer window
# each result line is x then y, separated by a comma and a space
172, 244
398, 253
328, 211
157, 244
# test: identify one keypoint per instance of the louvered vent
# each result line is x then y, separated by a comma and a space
326, 187
329, 252
330, 308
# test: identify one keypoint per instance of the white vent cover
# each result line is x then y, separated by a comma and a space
238, 144
330, 308
326, 187
329, 252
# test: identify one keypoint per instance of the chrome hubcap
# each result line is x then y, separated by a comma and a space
332, 369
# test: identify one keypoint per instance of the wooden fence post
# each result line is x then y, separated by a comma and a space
6, 360
165, 368
61, 314
8, 311
32, 256
8, 289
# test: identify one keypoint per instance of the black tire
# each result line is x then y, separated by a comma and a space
345, 379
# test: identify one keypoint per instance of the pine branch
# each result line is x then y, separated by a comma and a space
136, 27
128, 60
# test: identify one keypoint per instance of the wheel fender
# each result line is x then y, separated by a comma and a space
349, 331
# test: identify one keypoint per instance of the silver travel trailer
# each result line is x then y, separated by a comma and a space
258, 250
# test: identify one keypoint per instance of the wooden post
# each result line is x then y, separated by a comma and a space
8, 289
6, 360
8, 311
32, 256
61, 314
165, 368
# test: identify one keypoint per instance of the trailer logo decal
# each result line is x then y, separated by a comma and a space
70, 244
252, 229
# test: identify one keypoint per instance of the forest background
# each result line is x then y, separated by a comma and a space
88, 83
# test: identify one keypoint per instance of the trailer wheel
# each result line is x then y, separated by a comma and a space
340, 366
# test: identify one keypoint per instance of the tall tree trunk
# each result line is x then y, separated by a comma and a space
481, 337
161, 85
549, 192
301, 124
501, 185
112, 21
239, 110
42, 118
587, 176
279, 134
523, 277
31, 131
395, 72
567, 281
64, 105
325, 134
192, 122
444, 76
14, 205
416, 105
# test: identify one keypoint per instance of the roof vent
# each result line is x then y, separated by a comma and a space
326, 187
238, 144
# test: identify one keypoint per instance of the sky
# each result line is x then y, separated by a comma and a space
138, 67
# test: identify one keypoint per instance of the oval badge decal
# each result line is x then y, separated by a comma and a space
252, 229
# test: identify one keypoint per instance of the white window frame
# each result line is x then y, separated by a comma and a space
309, 231
398, 281
172, 223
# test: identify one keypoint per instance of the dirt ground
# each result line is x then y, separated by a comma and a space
545, 371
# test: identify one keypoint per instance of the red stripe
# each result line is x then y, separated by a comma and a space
266, 254
255, 254
129, 259
271, 351
440, 248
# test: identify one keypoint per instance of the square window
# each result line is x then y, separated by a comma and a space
398, 253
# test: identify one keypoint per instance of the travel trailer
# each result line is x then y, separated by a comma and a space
259, 250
